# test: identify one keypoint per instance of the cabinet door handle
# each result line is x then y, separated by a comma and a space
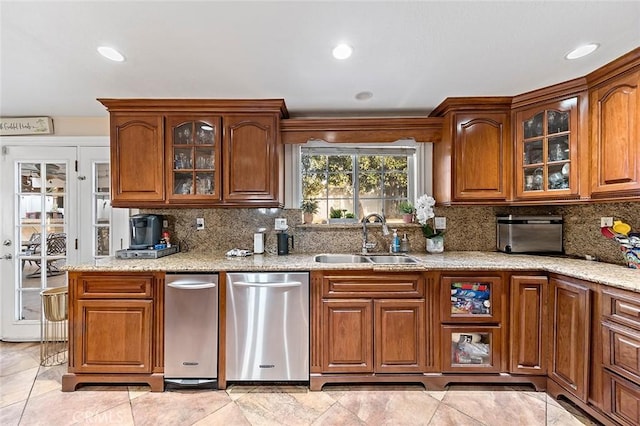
269, 284
191, 285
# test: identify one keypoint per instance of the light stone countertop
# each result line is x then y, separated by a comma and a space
602, 273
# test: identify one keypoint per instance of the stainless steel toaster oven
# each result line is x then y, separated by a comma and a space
529, 234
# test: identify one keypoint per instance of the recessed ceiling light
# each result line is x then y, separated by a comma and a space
111, 53
342, 51
363, 96
581, 51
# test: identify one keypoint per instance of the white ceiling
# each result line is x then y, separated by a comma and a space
411, 55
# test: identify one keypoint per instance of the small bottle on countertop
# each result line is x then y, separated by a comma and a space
395, 242
404, 244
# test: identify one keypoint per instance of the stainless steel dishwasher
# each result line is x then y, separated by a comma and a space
191, 329
267, 331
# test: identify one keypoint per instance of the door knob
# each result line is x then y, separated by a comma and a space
6, 243
7, 256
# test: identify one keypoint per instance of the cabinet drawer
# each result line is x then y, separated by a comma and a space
621, 399
622, 308
114, 287
471, 349
382, 285
621, 350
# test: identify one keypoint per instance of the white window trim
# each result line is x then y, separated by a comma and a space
422, 167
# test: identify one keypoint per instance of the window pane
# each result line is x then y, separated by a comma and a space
396, 163
370, 162
314, 163
370, 185
369, 206
314, 185
395, 185
340, 185
339, 163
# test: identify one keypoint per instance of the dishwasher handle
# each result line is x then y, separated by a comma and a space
272, 284
191, 285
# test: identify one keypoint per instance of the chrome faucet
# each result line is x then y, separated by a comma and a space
366, 246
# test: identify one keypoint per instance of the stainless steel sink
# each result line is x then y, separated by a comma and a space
382, 258
341, 258
369, 258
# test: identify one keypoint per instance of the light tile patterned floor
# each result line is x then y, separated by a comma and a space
30, 395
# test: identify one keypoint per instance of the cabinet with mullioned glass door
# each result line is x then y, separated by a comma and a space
193, 158
546, 151
472, 329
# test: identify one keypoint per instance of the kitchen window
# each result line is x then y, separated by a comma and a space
350, 181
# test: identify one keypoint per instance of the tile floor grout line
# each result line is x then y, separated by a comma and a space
29, 395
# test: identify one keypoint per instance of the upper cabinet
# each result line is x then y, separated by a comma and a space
614, 99
551, 144
473, 161
183, 153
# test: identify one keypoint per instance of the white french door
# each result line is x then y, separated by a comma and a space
55, 211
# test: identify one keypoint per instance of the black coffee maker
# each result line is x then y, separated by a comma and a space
146, 230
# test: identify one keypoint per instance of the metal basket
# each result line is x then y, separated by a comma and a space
53, 335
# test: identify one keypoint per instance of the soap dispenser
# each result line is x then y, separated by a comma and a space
404, 244
395, 244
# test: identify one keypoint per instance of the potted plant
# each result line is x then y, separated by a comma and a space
309, 208
340, 216
424, 214
406, 208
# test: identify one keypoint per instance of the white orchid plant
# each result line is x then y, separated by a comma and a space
424, 214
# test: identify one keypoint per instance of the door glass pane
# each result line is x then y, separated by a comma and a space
182, 134
533, 127
205, 133
204, 183
471, 348
533, 152
533, 179
101, 220
205, 159
470, 298
558, 176
559, 148
557, 121
41, 233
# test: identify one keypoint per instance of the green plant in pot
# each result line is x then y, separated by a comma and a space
406, 208
309, 208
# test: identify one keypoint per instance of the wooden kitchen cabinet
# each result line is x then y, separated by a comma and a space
528, 324
570, 322
193, 145
472, 164
368, 327
614, 102
620, 327
252, 160
137, 159
546, 151
115, 329
182, 153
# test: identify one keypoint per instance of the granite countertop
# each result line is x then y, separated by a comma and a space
597, 272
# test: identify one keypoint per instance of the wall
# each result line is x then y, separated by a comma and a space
468, 228
81, 126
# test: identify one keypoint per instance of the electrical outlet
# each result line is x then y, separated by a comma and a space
606, 222
165, 223
440, 222
200, 223
281, 224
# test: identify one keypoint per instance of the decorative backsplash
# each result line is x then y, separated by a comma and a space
468, 228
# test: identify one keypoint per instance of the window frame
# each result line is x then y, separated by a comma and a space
419, 164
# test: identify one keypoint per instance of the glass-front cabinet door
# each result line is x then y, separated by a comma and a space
546, 151
193, 158
471, 299
471, 348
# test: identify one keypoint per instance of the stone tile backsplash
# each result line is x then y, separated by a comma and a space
469, 228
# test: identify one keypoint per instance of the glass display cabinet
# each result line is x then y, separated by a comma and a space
194, 150
546, 150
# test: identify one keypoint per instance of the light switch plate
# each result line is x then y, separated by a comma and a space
200, 223
281, 224
440, 222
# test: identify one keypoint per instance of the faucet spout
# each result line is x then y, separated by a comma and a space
366, 246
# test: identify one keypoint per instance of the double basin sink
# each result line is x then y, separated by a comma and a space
365, 258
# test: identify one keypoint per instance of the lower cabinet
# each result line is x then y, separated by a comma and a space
115, 329
368, 327
622, 399
366, 336
570, 335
